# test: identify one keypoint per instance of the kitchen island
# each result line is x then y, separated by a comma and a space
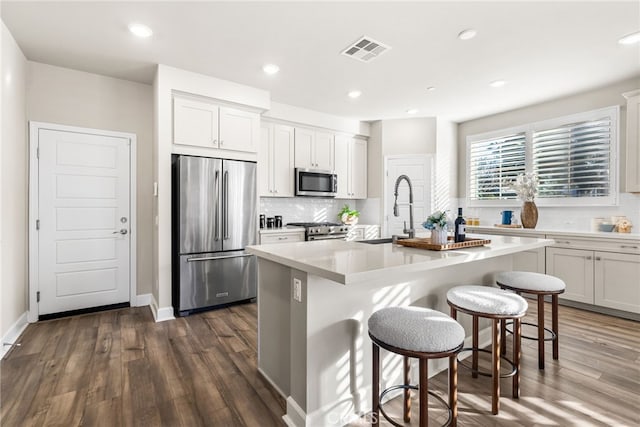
314, 299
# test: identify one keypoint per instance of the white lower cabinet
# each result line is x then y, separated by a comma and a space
575, 267
604, 278
281, 236
617, 281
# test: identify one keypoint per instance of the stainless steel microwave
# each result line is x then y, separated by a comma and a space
314, 182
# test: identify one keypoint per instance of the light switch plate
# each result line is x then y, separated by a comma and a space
297, 290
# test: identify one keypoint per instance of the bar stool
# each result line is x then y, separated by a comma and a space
537, 284
421, 333
497, 305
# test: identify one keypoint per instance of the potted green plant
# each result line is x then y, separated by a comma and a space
438, 223
348, 216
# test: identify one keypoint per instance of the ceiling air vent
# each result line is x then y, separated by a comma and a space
365, 49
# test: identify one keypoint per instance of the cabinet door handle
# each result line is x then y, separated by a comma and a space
282, 238
588, 258
629, 246
598, 258
563, 242
221, 142
215, 141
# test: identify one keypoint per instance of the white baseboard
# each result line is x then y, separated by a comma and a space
295, 416
160, 314
13, 334
275, 387
142, 300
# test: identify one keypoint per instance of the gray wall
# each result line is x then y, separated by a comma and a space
75, 98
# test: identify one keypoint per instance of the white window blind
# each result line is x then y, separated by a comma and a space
495, 162
573, 160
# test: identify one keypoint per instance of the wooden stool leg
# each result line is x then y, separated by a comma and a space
554, 324
540, 331
495, 371
503, 336
516, 356
454, 313
424, 392
375, 393
474, 354
407, 392
453, 389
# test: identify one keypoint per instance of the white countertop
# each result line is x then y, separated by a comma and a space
565, 233
351, 262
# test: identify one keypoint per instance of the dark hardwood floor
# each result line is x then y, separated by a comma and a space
119, 368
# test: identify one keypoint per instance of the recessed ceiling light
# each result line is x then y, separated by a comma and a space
140, 30
270, 68
412, 111
354, 94
467, 34
497, 83
431, 89
630, 38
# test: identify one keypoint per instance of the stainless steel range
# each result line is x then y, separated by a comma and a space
322, 230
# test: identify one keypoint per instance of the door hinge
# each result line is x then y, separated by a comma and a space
38, 296
37, 224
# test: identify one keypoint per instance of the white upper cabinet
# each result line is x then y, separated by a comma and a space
276, 161
239, 130
204, 124
314, 149
633, 141
195, 123
351, 167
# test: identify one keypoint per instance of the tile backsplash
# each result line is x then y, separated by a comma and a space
567, 218
303, 209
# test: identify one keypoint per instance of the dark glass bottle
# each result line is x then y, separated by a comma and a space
459, 232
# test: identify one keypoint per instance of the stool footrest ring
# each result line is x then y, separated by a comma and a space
513, 371
410, 387
527, 337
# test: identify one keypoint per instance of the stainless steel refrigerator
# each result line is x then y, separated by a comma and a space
214, 219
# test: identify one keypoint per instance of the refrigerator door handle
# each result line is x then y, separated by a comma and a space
225, 182
211, 258
216, 208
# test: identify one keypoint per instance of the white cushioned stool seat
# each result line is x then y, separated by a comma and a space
488, 300
416, 329
529, 281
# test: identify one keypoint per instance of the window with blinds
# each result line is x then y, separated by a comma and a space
574, 157
495, 162
573, 160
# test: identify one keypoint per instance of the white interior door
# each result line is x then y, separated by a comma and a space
418, 169
83, 208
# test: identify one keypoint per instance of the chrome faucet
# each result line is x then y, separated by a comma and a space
396, 212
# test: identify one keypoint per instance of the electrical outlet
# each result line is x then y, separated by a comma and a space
297, 290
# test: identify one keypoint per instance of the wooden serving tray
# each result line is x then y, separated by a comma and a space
425, 243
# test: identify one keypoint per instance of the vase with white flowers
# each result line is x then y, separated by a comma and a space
526, 188
438, 223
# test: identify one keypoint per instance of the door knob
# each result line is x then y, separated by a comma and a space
121, 231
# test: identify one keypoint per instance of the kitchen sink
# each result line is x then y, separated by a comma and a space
376, 241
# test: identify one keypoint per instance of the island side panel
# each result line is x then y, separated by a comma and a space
338, 345
274, 339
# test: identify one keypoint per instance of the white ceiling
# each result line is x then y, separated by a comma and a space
544, 50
